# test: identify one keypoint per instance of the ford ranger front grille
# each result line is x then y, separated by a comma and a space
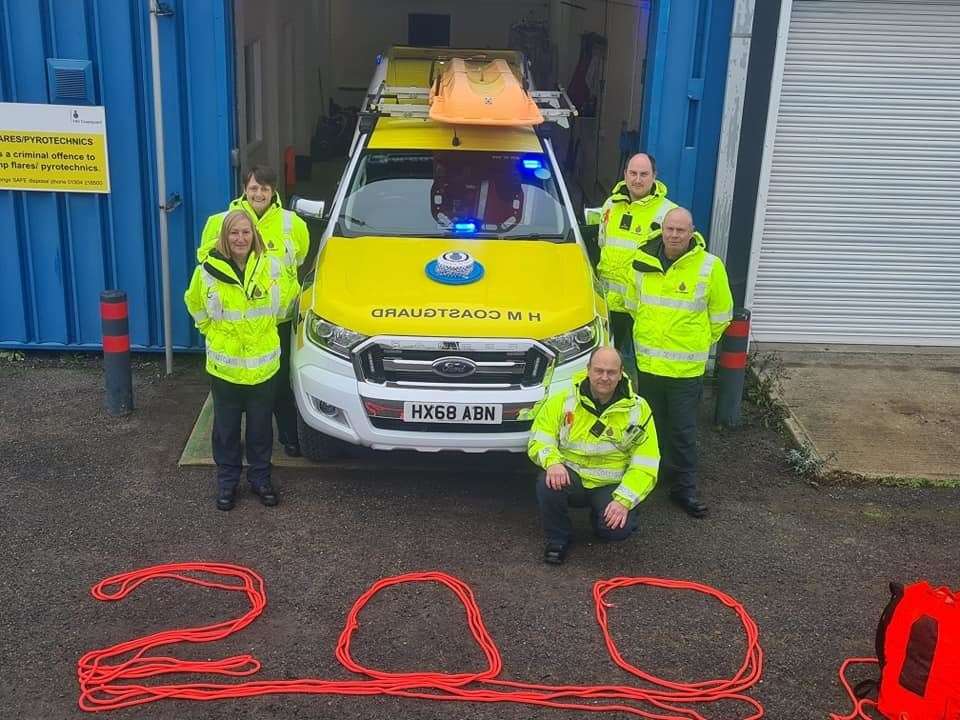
476, 363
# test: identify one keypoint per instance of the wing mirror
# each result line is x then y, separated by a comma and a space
307, 208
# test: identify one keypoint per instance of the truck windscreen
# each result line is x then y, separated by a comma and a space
458, 193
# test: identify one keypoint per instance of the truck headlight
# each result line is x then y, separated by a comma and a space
332, 338
573, 344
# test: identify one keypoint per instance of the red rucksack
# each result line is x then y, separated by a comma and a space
918, 650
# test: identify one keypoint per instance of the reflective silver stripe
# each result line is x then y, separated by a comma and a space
260, 312
619, 242
249, 363
199, 316
590, 448
569, 405
602, 473
722, 317
616, 287
275, 299
645, 462
231, 315
694, 306
289, 247
276, 269
214, 303
671, 354
665, 207
541, 436
622, 489
544, 454
707, 266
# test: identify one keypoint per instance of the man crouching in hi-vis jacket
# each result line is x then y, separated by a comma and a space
597, 446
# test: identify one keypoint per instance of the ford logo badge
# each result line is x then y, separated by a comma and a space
454, 367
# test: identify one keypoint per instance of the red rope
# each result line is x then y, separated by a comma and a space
860, 705
99, 671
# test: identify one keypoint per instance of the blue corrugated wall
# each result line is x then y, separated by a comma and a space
62, 249
686, 76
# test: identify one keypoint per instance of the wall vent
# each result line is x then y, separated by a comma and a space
70, 82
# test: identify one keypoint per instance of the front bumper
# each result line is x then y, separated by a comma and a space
331, 400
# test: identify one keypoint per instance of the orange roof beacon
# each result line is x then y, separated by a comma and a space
481, 94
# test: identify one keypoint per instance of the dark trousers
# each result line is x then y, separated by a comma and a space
555, 513
285, 407
674, 403
621, 324
230, 402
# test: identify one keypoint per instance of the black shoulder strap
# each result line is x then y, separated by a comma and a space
896, 595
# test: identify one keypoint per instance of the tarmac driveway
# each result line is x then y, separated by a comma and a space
87, 496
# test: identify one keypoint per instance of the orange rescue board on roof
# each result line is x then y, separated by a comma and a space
488, 94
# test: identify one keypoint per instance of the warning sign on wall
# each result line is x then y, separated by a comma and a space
53, 147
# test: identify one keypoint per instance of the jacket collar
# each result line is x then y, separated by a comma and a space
241, 203
621, 193
223, 269
581, 384
648, 259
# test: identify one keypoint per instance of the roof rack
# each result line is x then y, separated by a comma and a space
414, 102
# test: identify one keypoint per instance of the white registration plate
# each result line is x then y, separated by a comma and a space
464, 413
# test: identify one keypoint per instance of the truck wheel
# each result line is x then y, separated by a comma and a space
316, 446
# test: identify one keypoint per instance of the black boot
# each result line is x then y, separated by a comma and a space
268, 496
226, 498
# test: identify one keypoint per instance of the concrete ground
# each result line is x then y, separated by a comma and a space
876, 412
87, 496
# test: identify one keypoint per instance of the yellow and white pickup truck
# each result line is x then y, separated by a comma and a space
452, 289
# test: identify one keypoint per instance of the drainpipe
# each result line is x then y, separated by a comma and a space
158, 9
741, 34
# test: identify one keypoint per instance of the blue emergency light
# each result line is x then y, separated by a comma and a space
467, 226
532, 164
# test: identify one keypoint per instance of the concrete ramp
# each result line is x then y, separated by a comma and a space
877, 412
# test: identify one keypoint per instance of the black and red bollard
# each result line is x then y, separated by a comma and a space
732, 368
118, 376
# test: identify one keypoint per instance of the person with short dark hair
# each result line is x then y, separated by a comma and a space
236, 297
287, 239
597, 445
681, 303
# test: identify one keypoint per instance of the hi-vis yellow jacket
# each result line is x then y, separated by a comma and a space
680, 313
238, 316
625, 227
615, 447
284, 233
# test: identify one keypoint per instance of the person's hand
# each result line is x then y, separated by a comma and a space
557, 477
615, 515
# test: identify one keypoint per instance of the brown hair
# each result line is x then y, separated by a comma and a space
231, 219
263, 174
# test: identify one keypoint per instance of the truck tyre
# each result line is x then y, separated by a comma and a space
316, 446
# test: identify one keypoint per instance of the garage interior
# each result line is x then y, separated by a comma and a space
302, 68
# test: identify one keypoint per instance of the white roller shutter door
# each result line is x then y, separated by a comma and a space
861, 232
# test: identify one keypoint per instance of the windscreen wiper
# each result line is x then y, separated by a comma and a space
532, 236
355, 221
